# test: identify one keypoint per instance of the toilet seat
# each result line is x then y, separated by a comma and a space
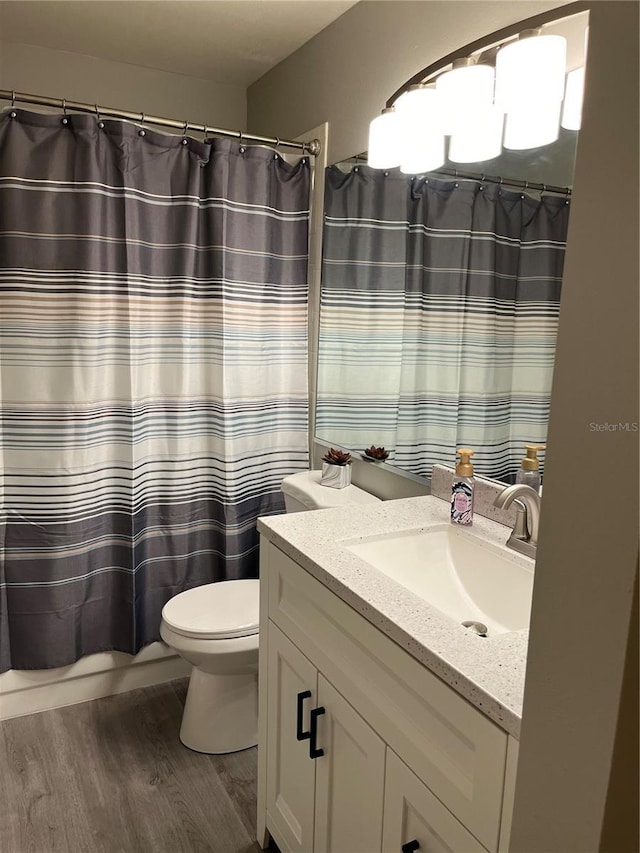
215, 611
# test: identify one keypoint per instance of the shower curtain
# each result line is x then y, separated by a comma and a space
153, 393
439, 316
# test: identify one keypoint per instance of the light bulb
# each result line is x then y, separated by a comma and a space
385, 141
530, 70
573, 94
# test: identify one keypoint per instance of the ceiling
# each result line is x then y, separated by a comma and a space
226, 42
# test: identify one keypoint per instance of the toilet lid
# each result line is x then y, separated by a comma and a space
216, 610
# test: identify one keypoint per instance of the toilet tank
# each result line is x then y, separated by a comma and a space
303, 491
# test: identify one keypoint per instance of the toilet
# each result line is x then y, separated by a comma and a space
303, 492
215, 628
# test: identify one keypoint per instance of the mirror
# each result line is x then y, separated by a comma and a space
440, 301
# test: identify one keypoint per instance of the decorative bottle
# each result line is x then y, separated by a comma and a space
529, 473
462, 489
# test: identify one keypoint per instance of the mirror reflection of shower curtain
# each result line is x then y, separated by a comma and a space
153, 392
440, 302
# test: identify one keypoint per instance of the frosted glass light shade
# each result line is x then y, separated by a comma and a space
464, 89
532, 125
573, 94
420, 116
531, 70
423, 153
385, 141
477, 136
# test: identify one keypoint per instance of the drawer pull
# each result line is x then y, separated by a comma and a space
300, 733
410, 847
314, 752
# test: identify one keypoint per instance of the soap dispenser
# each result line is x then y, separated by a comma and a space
528, 473
462, 488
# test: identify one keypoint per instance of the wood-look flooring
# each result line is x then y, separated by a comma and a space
111, 776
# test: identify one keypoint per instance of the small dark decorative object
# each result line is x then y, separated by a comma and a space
337, 457
377, 453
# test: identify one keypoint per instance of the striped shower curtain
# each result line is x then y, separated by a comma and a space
439, 315
153, 394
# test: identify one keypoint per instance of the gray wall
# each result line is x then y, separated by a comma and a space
587, 558
58, 74
588, 551
346, 73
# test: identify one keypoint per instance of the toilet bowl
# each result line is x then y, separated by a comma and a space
215, 628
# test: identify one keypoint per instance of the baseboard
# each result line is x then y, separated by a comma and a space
30, 691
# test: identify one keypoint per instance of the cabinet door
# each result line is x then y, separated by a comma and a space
349, 778
290, 771
416, 820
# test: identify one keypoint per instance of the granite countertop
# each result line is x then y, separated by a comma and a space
489, 672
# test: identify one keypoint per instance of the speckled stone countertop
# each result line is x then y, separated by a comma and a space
489, 672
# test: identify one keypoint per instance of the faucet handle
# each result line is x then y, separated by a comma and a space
521, 527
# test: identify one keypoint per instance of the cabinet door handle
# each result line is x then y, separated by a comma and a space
410, 847
300, 732
314, 752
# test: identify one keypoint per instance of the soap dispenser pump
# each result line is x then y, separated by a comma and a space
462, 488
529, 473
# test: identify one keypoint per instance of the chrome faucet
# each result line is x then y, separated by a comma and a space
524, 536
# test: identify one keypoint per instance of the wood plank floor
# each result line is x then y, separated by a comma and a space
111, 776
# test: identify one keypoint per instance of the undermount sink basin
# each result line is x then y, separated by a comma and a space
463, 576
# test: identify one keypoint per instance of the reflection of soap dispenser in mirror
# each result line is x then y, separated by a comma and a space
462, 489
529, 473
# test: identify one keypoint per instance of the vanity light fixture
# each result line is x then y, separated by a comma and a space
468, 86
532, 126
574, 92
531, 70
477, 136
420, 114
385, 140
475, 104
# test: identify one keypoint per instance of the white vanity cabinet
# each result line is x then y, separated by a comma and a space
361, 748
330, 805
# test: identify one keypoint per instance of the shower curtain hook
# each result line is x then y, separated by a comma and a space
65, 118
142, 131
99, 117
13, 98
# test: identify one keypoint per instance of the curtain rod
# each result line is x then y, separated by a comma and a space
505, 182
491, 179
312, 146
